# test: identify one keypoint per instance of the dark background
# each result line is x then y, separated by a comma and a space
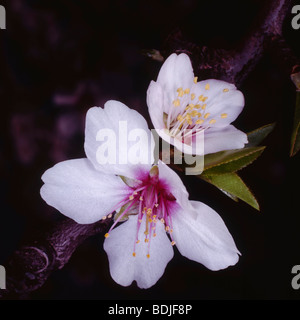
59, 58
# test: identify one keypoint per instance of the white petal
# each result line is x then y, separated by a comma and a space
175, 184
219, 139
204, 239
176, 72
125, 132
124, 268
224, 102
80, 192
155, 100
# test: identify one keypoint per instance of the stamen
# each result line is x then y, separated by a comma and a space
103, 218
148, 255
176, 103
225, 90
224, 115
207, 86
131, 197
200, 121
179, 89
195, 79
146, 240
212, 121
137, 241
193, 96
141, 198
173, 243
134, 254
167, 228
109, 216
187, 91
106, 235
206, 115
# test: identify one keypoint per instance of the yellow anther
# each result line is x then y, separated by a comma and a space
144, 210
199, 121
180, 93
207, 86
204, 106
148, 255
150, 220
187, 91
212, 121
134, 254
173, 243
225, 90
131, 197
137, 241
179, 89
194, 113
192, 106
140, 220
146, 232
154, 216
141, 198
197, 106
195, 79
199, 115
135, 193
193, 96
176, 103
154, 234
224, 115
200, 97
206, 115
204, 99
180, 118
171, 230
146, 240
149, 212
106, 235
103, 218
190, 122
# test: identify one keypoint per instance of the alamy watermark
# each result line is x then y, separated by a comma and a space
296, 18
296, 279
2, 18
138, 146
2, 278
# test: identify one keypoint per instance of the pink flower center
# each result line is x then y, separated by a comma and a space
152, 201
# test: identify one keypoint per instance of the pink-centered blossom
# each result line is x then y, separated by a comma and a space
181, 107
153, 197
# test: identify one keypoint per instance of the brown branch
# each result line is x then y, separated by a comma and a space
29, 267
235, 65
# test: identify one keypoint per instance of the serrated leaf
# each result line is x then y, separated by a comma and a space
225, 157
295, 139
256, 136
232, 162
232, 184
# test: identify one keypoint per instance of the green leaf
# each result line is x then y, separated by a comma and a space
256, 136
234, 161
232, 185
230, 160
295, 140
